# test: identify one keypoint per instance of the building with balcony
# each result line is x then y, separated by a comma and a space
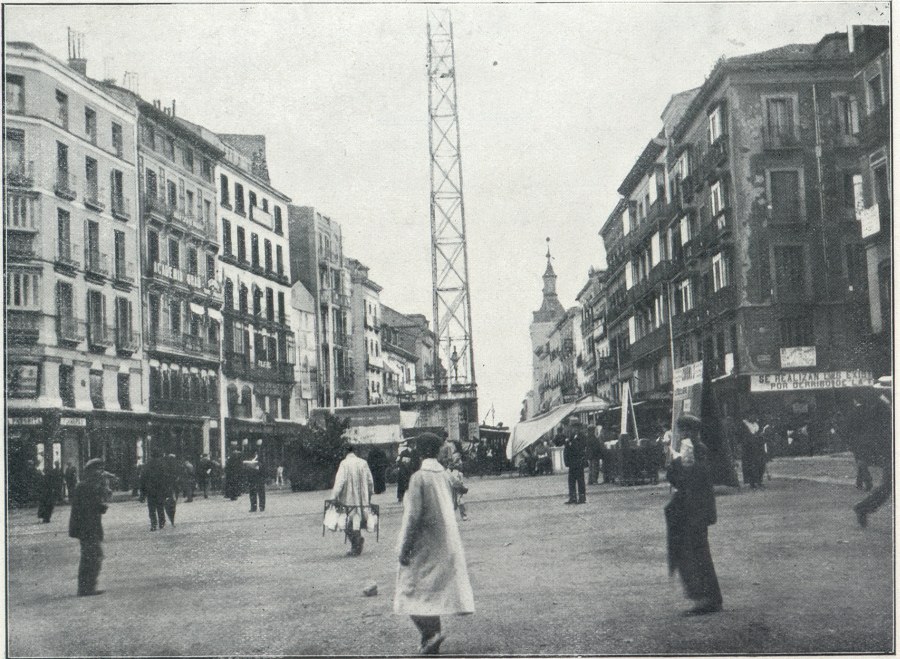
180, 279
592, 361
317, 260
543, 322
367, 353
402, 340
303, 308
736, 224
74, 388
869, 119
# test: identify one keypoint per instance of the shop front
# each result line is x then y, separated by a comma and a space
276, 439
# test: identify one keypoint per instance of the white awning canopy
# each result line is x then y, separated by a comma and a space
526, 433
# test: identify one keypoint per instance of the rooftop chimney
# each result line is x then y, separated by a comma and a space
76, 51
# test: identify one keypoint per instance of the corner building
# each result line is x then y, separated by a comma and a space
74, 386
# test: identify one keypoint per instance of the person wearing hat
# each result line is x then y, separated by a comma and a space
85, 524
689, 514
873, 444
407, 463
155, 489
432, 578
574, 458
255, 471
232, 485
354, 486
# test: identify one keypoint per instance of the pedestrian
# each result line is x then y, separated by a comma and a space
378, 463
753, 451
432, 578
187, 481
48, 492
407, 464
255, 473
594, 450
875, 444
71, 476
689, 514
279, 477
154, 489
458, 488
353, 487
86, 524
204, 473
174, 471
233, 466
136, 478
573, 456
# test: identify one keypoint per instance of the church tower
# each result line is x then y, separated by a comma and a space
542, 323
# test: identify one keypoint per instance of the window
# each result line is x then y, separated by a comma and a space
780, 117
238, 198
67, 385
716, 198
270, 304
124, 389
226, 237
152, 247
189, 202
210, 267
92, 191
229, 294
172, 194
252, 196
188, 159
278, 228
254, 250
65, 303
875, 93
96, 311
62, 166
720, 272
192, 263
241, 245
851, 186
267, 254
279, 260
119, 245
785, 198
846, 114
15, 93
206, 169
117, 191
153, 312
14, 143
286, 407
64, 233
152, 191
790, 271
23, 290
257, 301
169, 148
123, 322
685, 299
148, 136
242, 299
223, 191
90, 124
797, 331
714, 124
175, 317
62, 109
117, 139
174, 253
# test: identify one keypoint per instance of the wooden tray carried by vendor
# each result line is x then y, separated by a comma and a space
336, 516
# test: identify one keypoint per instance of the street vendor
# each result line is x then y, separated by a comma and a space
354, 486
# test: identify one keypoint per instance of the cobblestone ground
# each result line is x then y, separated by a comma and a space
797, 573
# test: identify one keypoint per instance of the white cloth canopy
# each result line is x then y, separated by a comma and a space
526, 433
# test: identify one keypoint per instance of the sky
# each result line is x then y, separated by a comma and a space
556, 101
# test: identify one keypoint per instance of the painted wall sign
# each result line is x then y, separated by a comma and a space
804, 381
73, 421
869, 220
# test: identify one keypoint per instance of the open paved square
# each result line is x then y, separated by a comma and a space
798, 576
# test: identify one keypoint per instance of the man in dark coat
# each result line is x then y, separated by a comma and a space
255, 472
873, 444
71, 476
594, 451
233, 467
688, 516
378, 462
408, 463
49, 491
204, 472
574, 457
753, 450
155, 488
85, 524
188, 481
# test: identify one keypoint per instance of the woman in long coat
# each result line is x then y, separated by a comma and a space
432, 579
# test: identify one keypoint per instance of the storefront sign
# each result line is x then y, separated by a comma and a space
869, 220
688, 375
798, 357
73, 422
22, 380
26, 421
809, 380
371, 424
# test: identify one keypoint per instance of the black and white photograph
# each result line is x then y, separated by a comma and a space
281, 380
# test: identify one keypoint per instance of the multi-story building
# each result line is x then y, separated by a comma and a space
871, 47
74, 386
365, 305
593, 360
737, 223
258, 341
542, 324
181, 294
399, 334
559, 381
317, 260
303, 306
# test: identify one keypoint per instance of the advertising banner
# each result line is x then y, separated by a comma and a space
809, 380
370, 424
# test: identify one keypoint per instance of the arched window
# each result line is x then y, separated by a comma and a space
246, 402
232, 396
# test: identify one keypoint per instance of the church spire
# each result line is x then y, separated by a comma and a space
551, 309
549, 274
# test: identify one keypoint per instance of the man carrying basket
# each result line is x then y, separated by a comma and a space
354, 486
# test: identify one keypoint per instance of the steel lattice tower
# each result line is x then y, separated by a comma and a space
449, 256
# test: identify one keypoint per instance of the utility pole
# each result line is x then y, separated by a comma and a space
449, 256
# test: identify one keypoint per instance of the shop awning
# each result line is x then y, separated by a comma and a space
526, 433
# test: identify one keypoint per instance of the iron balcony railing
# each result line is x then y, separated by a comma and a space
65, 255
66, 185
93, 196
120, 207
99, 335
127, 341
70, 330
20, 174
96, 263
